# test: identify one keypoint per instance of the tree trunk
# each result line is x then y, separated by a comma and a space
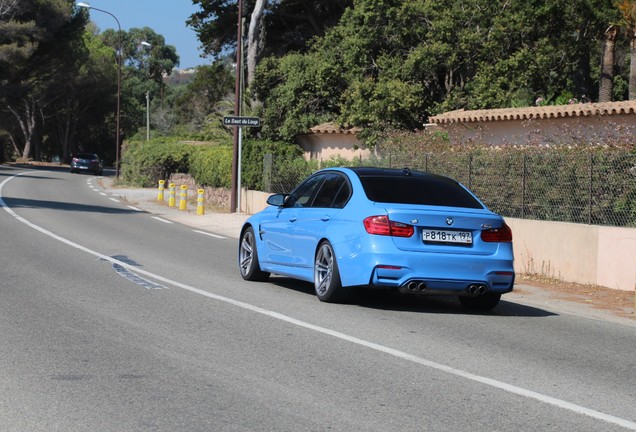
632, 66
27, 124
607, 65
255, 38
65, 126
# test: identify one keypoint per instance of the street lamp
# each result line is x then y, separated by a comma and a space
119, 61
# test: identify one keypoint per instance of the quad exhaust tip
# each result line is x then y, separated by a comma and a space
419, 286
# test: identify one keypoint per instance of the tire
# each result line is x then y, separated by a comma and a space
484, 302
327, 276
248, 257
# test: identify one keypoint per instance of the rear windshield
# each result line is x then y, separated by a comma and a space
418, 189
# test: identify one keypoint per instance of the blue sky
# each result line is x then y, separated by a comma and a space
165, 17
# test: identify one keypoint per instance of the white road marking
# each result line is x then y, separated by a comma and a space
114, 199
103, 194
161, 219
336, 334
209, 234
135, 208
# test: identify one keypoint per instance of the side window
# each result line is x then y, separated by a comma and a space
301, 196
343, 195
334, 192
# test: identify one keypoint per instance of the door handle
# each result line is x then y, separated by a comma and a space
293, 219
325, 218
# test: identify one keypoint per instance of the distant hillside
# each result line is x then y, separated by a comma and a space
180, 76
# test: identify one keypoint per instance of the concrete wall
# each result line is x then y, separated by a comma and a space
324, 146
579, 253
586, 254
568, 130
253, 201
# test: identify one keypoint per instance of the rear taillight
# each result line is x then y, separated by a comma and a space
497, 235
381, 225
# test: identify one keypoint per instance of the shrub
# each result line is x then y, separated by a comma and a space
212, 166
144, 163
254, 173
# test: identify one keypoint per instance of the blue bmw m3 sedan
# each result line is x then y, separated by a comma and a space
400, 229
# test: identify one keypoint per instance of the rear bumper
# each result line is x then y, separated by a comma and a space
85, 167
443, 272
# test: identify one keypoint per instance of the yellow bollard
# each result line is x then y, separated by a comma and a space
183, 197
200, 207
171, 195
161, 188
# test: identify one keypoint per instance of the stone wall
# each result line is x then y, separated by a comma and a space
217, 198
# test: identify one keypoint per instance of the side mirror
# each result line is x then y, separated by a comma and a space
276, 200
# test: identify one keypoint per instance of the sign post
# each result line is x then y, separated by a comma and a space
239, 122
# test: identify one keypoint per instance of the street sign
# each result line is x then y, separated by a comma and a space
242, 121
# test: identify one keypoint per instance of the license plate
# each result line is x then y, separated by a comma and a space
441, 236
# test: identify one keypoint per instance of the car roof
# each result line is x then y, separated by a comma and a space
406, 186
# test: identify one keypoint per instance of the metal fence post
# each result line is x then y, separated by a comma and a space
267, 172
523, 188
470, 171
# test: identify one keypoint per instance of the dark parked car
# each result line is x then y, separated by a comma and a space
400, 229
87, 162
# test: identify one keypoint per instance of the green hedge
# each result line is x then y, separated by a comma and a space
212, 166
254, 154
144, 163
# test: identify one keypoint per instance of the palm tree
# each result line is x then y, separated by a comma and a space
607, 65
628, 21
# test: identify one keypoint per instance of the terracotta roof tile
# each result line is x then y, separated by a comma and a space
331, 128
540, 112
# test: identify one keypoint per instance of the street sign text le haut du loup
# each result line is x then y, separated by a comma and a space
242, 121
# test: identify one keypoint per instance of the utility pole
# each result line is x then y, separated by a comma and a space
237, 110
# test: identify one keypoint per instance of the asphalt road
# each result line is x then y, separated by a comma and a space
114, 320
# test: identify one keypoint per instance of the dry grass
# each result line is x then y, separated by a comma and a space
622, 303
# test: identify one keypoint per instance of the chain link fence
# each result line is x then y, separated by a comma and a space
580, 187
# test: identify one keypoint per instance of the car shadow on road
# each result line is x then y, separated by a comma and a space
4, 174
394, 301
64, 206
